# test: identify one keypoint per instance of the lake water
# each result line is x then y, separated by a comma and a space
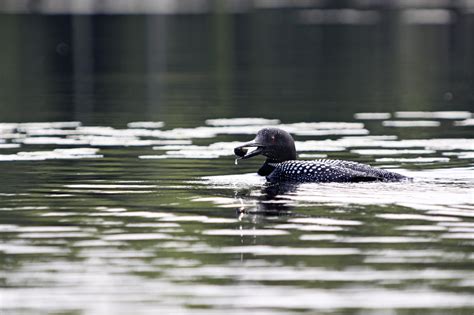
120, 195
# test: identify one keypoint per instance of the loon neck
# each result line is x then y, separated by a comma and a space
266, 168
269, 166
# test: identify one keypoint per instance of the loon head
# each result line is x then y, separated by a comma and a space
276, 144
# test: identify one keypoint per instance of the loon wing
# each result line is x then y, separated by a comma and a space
324, 171
360, 172
354, 176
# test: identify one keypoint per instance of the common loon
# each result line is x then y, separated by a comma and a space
281, 164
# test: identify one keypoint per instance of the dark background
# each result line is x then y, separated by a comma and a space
304, 63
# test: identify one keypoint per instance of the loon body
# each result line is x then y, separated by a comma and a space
281, 164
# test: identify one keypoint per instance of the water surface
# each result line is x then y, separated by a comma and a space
120, 194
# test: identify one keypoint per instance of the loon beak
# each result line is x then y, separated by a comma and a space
243, 153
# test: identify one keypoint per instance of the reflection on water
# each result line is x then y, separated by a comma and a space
125, 199
142, 213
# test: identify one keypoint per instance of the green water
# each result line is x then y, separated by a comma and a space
144, 226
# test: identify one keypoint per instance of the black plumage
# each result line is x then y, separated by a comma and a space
281, 164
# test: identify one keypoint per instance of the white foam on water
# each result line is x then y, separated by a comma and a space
232, 300
312, 156
410, 123
467, 213
325, 221
465, 122
49, 132
415, 217
263, 250
77, 151
185, 218
372, 116
462, 236
215, 200
422, 195
57, 154
11, 136
323, 146
434, 115
307, 126
460, 155
307, 273
421, 228
7, 127
112, 141
460, 229
51, 140
376, 137
138, 214
60, 214
436, 207
189, 154
9, 145
332, 132
297, 298
8, 227
92, 243
136, 237
385, 239
241, 121
391, 151
414, 160
241, 180
178, 262
214, 150
37, 229
220, 221
155, 157
146, 124
321, 128
344, 143
246, 232
58, 235
176, 147
161, 143
438, 144
104, 131
50, 125
180, 138
113, 192
318, 237
457, 224
309, 227
109, 186
157, 225
131, 133
12, 249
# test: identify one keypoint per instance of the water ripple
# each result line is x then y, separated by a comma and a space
181, 238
